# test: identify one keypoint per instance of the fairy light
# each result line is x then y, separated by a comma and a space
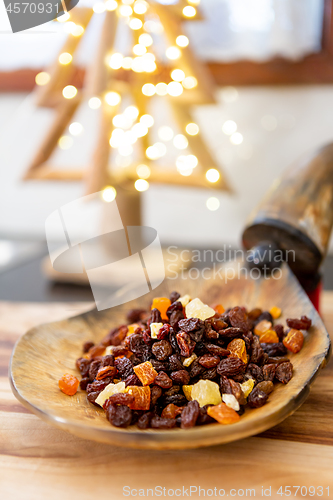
194, 2
147, 120
141, 185
161, 89
42, 78
161, 148
69, 92
212, 175
94, 103
77, 30
146, 40
183, 166
177, 75
180, 141
140, 130
229, 127
236, 138
130, 137
109, 193
152, 152
125, 150
190, 82
149, 65
115, 61
75, 128
140, 7
111, 5
189, 11
117, 137
68, 27
65, 58
63, 18
182, 41
122, 121
139, 49
99, 7
125, 10
143, 171
165, 133
148, 89
212, 203
153, 27
131, 112
127, 62
112, 98
135, 23
65, 142
138, 64
173, 53
175, 89
192, 129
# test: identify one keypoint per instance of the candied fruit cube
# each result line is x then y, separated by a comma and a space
237, 349
275, 312
68, 384
188, 361
269, 337
223, 414
219, 309
262, 327
247, 387
206, 392
109, 391
197, 309
294, 340
141, 397
145, 372
184, 300
131, 329
231, 401
187, 390
154, 329
162, 304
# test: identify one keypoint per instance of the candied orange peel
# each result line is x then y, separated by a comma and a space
141, 397
162, 304
223, 414
145, 373
68, 384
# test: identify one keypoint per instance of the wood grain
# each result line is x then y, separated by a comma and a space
38, 461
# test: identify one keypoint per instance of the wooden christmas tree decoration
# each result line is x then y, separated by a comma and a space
150, 73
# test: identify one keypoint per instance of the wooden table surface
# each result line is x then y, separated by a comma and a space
38, 461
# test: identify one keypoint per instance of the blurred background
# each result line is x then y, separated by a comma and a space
271, 62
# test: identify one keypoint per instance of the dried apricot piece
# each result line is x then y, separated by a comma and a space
145, 372
171, 411
269, 337
275, 312
141, 397
68, 384
294, 340
131, 329
237, 349
223, 414
162, 304
219, 309
262, 327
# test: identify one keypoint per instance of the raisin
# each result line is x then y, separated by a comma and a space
87, 346
175, 317
204, 418
265, 386
237, 392
173, 341
210, 333
209, 374
248, 339
299, 324
218, 324
174, 296
254, 313
134, 315
200, 348
91, 397
265, 316
217, 350
279, 331
115, 336
84, 382
132, 380
255, 372
171, 411
124, 367
185, 343
277, 360
225, 386
230, 367
163, 332
190, 415
159, 366
175, 306
144, 420
284, 372
180, 377
122, 398
162, 350
147, 338
238, 318
83, 366
107, 360
119, 350
155, 394
162, 423
177, 399
98, 385
155, 316
136, 344
276, 349
119, 415
96, 351
209, 361
230, 333
93, 369
173, 390
163, 380
268, 372
257, 398
194, 326
196, 369
294, 340
107, 371
257, 351
175, 362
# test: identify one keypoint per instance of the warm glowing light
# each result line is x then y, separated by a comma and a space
153, 27
77, 30
145, 39
65, 58
125, 150
189, 11
75, 128
117, 137
192, 161
192, 129
229, 94
175, 89
152, 152
180, 141
140, 7
165, 133
115, 61
177, 75
122, 121
161, 148
65, 142
109, 193
213, 203
68, 27
143, 171
125, 10
149, 65
236, 138
147, 120
131, 112
148, 89
127, 63
99, 7
139, 49
212, 175
141, 185
111, 5
194, 2
173, 53
42, 78
229, 127
63, 18
112, 98
140, 130
190, 82
161, 88
94, 103
135, 23
186, 164
69, 92
182, 41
